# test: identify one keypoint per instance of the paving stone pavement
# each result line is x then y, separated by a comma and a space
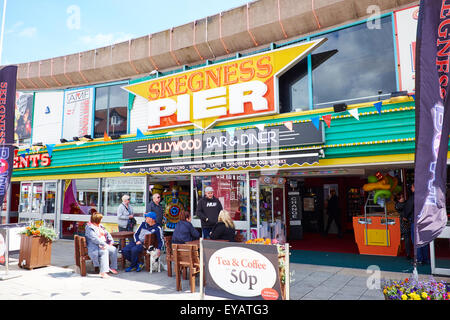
60, 281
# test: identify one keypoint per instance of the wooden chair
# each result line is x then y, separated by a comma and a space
169, 254
187, 256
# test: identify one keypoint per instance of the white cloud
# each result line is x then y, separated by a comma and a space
22, 31
28, 32
102, 40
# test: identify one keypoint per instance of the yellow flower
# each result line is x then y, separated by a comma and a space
424, 295
404, 297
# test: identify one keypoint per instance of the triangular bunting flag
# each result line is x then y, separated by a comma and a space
50, 149
260, 126
105, 137
27, 151
327, 119
139, 134
414, 97
316, 121
22, 155
378, 106
354, 113
15, 152
231, 131
289, 125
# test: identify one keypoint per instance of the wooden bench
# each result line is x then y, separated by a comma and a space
81, 254
186, 256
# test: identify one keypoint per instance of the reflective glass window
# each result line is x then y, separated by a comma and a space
114, 188
111, 110
355, 64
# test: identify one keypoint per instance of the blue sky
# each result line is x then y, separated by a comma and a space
43, 29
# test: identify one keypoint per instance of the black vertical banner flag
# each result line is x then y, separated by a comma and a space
432, 119
8, 77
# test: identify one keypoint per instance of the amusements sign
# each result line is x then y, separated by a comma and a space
241, 271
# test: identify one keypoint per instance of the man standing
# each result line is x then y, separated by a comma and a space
156, 207
124, 212
208, 209
132, 251
333, 213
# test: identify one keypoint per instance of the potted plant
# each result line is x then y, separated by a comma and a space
410, 289
281, 259
36, 245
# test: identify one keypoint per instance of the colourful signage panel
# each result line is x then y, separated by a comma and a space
240, 88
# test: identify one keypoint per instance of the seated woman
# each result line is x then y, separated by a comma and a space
224, 229
184, 230
100, 246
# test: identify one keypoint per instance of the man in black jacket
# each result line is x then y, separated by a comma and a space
334, 213
156, 207
208, 209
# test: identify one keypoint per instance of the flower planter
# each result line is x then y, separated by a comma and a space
35, 252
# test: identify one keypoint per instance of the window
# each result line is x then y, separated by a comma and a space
114, 188
353, 65
230, 189
80, 196
294, 95
111, 111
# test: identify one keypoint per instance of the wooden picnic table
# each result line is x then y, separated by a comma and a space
121, 236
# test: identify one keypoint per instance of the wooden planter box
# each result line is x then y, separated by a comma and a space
35, 252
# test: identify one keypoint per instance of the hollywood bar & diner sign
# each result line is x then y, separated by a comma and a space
241, 88
217, 143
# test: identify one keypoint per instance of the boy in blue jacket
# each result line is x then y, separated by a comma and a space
132, 251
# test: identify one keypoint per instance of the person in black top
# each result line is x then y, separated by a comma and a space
184, 230
208, 209
156, 207
333, 213
224, 228
405, 222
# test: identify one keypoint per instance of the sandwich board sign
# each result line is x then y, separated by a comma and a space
241, 271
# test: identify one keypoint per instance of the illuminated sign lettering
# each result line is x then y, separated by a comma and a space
245, 87
32, 160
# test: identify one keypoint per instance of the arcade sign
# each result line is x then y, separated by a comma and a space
241, 88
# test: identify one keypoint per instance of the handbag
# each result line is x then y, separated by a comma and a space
130, 224
131, 221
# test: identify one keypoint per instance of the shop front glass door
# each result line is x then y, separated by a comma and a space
271, 210
38, 202
49, 203
232, 192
